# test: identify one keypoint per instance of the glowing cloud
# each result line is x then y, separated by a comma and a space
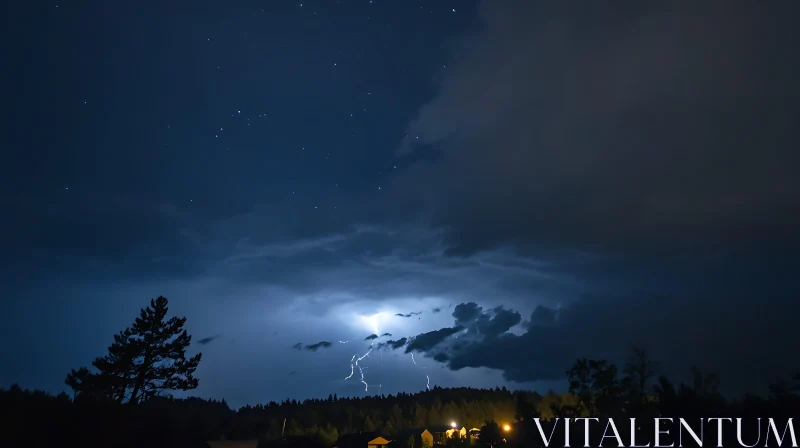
374, 322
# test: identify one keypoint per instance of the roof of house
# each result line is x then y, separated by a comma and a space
378, 441
233, 443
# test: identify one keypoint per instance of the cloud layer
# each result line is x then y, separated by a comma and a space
748, 341
615, 128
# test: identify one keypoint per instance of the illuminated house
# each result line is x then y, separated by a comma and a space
361, 440
457, 433
422, 438
440, 433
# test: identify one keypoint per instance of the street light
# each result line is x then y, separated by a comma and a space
453, 424
506, 428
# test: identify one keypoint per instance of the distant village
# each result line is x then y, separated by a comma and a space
408, 438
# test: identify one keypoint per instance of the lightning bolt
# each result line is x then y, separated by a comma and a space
354, 365
361, 370
344, 342
366, 386
365, 355
427, 386
351, 367
380, 386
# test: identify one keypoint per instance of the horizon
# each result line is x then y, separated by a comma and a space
463, 193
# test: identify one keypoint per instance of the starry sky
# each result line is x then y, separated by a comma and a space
509, 185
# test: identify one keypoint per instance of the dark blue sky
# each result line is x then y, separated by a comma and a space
290, 172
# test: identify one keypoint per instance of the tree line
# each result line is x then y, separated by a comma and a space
125, 401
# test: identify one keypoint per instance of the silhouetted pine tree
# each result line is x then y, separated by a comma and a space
146, 360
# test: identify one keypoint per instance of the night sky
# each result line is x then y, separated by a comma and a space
515, 184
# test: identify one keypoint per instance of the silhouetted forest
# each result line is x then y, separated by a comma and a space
35, 418
124, 402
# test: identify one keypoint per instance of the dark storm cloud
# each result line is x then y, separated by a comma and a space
205, 341
498, 322
386, 335
542, 317
624, 128
441, 357
437, 309
318, 345
466, 313
426, 341
394, 345
409, 314
371, 337
298, 346
729, 335
489, 324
